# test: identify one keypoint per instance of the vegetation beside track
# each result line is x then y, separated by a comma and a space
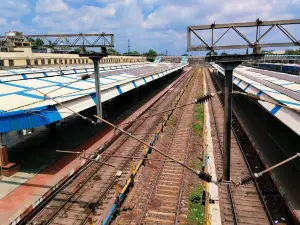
198, 125
196, 209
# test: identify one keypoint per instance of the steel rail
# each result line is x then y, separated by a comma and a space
183, 176
251, 172
152, 147
254, 180
58, 210
178, 107
221, 151
58, 190
75, 175
179, 96
91, 176
154, 183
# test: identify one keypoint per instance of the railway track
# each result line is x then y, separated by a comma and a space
243, 204
274, 204
169, 180
91, 191
157, 197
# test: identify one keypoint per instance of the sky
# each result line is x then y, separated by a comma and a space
149, 24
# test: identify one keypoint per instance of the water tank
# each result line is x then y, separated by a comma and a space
14, 34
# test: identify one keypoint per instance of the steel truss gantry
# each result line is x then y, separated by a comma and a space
68, 40
230, 62
256, 45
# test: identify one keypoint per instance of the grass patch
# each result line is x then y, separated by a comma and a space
171, 121
199, 116
196, 164
196, 209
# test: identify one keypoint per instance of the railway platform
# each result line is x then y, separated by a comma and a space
21, 193
31, 98
270, 135
272, 86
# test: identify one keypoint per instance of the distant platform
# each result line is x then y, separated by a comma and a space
280, 67
273, 86
22, 107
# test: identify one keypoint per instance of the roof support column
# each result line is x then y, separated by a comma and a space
96, 57
7, 169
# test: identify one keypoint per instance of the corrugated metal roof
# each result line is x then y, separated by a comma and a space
22, 107
28, 73
270, 88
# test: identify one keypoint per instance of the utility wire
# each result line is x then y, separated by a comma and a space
258, 98
84, 77
249, 179
83, 117
204, 176
199, 100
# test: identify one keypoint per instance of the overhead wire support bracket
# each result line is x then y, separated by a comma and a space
230, 62
249, 179
202, 175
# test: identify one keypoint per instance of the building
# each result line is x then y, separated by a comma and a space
24, 57
18, 52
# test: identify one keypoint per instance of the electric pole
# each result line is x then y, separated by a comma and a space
128, 46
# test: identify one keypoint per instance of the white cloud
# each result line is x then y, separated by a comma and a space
50, 6
3, 21
14, 8
153, 24
170, 15
75, 1
86, 18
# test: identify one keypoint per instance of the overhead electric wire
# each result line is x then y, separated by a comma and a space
83, 117
199, 100
113, 156
83, 77
258, 98
204, 176
74, 92
249, 179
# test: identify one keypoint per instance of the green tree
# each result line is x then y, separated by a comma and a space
185, 55
151, 53
77, 50
112, 51
38, 42
132, 53
224, 53
135, 53
267, 52
292, 52
208, 54
51, 44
